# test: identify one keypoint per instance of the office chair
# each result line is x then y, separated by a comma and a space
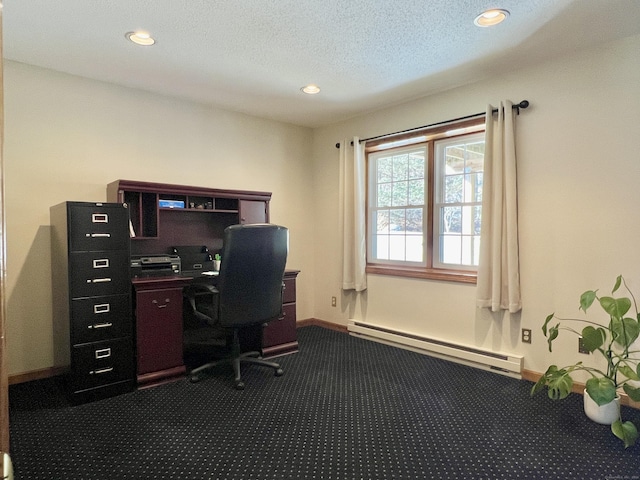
248, 292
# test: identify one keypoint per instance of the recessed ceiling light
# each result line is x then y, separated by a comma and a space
491, 17
311, 89
140, 38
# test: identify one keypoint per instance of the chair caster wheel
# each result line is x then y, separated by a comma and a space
194, 378
279, 372
239, 385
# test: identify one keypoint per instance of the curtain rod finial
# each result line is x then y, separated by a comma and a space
338, 145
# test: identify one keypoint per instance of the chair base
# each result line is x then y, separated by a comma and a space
235, 359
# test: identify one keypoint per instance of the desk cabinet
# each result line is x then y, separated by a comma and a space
91, 297
158, 315
279, 336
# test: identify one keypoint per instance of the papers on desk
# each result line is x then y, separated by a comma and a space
211, 273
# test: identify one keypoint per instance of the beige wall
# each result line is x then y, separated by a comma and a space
579, 202
67, 137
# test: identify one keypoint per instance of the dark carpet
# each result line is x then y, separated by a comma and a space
346, 409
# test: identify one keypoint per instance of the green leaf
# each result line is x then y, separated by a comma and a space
553, 334
633, 392
559, 382
625, 331
539, 385
617, 285
586, 299
616, 307
593, 338
602, 390
544, 327
627, 432
628, 372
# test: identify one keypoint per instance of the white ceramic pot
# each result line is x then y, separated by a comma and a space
604, 414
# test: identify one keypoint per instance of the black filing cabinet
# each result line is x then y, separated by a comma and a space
92, 316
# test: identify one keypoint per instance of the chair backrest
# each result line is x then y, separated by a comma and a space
251, 273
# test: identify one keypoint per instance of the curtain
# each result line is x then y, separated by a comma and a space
498, 286
352, 215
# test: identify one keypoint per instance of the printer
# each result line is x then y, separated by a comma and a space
155, 265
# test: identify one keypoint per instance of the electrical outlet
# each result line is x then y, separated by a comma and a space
581, 347
526, 335
334, 301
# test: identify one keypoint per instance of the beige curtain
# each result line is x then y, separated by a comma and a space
498, 285
352, 215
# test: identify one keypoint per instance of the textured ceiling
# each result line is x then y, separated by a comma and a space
253, 56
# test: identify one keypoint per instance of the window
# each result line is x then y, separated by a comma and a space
424, 204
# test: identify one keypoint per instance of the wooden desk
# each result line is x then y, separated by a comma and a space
196, 216
158, 319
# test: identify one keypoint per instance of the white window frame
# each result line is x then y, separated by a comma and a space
430, 267
373, 209
470, 234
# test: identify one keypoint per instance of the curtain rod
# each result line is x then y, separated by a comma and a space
517, 107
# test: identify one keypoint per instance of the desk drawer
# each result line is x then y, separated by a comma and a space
95, 319
101, 363
94, 274
289, 294
281, 330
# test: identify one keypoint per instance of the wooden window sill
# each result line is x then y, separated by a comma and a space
425, 273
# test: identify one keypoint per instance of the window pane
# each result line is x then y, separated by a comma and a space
414, 248
384, 169
397, 222
416, 192
382, 221
396, 248
384, 195
451, 219
416, 166
480, 183
414, 220
454, 161
400, 194
450, 249
467, 220
382, 247
400, 167
477, 220
453, 185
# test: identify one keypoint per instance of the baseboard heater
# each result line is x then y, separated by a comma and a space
505, 364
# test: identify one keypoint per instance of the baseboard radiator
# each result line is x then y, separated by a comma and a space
503, 363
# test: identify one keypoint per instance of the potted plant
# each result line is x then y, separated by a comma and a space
614, 343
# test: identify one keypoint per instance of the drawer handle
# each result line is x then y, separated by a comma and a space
166, 301
99, 280
100, 325
101, 308
103, 353
101, 370
101, 263
100, 218
99, 235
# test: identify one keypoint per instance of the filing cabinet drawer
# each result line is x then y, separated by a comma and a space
93, 274
95, 319
98, 227
101, 363
289, 294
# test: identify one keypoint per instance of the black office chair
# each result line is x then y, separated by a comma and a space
248, 292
